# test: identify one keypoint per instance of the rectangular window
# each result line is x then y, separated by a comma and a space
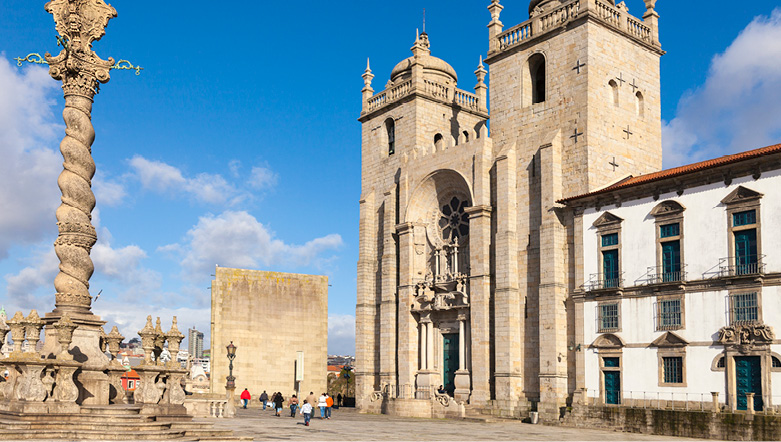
669, 230
669, 314
608, 317
746, 259
610, 240
744, 218
611, 362
744, 308
673, 370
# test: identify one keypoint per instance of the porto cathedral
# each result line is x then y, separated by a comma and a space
481, 277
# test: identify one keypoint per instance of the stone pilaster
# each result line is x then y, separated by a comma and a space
480, 299
366, 307
509, 320
408, 334
553, 286
388, 307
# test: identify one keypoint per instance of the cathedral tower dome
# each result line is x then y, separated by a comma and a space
432, 66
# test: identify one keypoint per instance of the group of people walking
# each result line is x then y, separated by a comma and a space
324, 402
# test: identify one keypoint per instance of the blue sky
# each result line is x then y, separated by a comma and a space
238, 145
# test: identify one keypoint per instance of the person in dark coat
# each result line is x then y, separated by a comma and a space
264, 399
278, 400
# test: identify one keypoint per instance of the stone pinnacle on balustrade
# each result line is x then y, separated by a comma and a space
175, 338
17, 325
113, 339
65, 328
147, 340
33, 326
159, 341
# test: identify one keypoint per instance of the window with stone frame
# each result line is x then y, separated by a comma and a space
668, 217
609, 252
670, 313
744, 308
673, 369
608, 317
745, 233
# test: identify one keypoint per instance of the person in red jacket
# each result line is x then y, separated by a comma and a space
245, 397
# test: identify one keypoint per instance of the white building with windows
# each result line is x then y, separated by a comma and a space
678, 285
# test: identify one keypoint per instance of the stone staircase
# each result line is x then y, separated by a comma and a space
114, 423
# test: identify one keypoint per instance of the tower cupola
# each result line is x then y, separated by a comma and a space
433, 67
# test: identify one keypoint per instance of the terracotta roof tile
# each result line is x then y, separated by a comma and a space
682, 170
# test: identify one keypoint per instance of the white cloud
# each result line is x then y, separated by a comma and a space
29, 134
341, 334
107, 192
21, 288
125, 266
237, 239
262, 177
164, 178
738, 106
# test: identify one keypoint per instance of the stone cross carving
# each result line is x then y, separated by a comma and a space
634, 86
628, 132
620, 78
576, 134
578, 65
614, 164
79, 24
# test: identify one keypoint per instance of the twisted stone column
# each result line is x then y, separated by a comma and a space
79, 23
74, 216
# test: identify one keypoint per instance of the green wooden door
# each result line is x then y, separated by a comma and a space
610, 268
671, 261
748, 377
746, 252
450, 358
612, 387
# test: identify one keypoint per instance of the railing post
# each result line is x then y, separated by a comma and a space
750, 403
715, 396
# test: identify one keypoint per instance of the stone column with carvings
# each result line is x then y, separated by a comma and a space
462, 383
79, 24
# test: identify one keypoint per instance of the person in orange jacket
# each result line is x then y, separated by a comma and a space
329, 402
245, 397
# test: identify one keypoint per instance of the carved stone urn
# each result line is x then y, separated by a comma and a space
147, 340
175, 338
159, 341
65, 328
113, 339
17, 326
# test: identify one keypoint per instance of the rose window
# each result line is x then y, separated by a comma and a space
454, 222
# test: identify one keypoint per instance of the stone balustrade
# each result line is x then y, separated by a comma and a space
206, 405
432, 89
550, 20
47, 383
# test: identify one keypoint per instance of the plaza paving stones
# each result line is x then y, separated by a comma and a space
348, 425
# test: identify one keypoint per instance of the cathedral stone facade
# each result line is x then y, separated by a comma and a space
466, 259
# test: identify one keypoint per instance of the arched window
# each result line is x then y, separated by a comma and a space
640, 104
537, 74
776, 362
466, 136
390, 126
614, 91
438, 141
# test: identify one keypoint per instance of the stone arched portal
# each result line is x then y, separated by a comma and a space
438, 215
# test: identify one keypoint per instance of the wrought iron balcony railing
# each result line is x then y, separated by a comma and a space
660, 275
741, 265
598, 281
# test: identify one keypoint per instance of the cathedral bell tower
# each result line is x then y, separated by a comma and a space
424, 217
575, 105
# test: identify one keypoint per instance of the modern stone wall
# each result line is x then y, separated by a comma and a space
269, 316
